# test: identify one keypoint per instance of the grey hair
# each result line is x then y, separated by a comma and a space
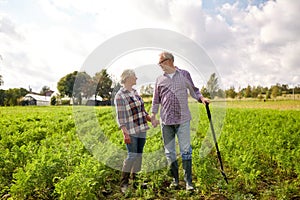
166, 54
125, 74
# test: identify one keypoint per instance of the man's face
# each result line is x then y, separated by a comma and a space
165, 64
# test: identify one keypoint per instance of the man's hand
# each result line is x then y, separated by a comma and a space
154, 121
203, 100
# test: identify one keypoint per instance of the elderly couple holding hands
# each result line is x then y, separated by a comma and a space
171, 93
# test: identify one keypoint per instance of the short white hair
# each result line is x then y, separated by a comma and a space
125, 74
166, 54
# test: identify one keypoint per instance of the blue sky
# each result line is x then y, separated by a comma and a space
212, 4
250, 42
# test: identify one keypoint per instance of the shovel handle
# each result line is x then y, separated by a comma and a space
208, 111
215, 141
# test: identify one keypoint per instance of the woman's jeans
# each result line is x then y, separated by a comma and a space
133, 162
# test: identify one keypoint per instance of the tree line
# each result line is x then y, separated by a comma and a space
75, 85
212, 90
80, 85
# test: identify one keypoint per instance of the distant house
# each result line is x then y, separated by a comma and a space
36, 99
98, 101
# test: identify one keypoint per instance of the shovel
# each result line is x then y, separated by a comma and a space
215, 141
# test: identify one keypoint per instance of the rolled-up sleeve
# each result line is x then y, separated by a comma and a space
155, 100
194, 91
122, 115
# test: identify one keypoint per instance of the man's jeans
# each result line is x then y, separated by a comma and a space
183, 134
133, 162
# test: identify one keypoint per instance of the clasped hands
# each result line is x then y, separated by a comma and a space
154, 121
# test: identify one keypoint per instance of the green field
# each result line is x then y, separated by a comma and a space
76, 153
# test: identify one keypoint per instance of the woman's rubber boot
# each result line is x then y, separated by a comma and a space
124, 181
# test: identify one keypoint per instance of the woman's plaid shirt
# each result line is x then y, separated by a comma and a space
131, 111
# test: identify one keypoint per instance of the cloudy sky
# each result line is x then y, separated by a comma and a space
254, 42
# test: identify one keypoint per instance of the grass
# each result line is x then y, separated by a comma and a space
259, 145
270, 104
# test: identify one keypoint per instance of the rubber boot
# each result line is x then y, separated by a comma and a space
187, 167
127, 165
175, 175
136, 167
124, 181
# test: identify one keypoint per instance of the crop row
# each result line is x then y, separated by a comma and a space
77, 153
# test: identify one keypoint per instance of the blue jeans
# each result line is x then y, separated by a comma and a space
183, 134
133, 162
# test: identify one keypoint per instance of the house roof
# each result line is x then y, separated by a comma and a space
38, 97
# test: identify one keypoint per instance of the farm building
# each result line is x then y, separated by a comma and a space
35, 99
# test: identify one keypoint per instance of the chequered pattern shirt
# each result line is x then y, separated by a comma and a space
131, 111
172, 94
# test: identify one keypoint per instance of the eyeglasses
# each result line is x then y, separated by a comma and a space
164, 60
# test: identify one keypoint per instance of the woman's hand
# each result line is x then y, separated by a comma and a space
126, 135
126, 138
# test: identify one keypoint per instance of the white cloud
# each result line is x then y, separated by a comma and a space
255, 45
249, 45
41, 57
53, 13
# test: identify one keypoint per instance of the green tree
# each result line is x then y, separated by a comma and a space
285, 87
82, 86
13, 96
264, 90
213, 85
1, 80
255, 92
103, 83
53, 100
44, 90
65, 84
205, 92
231, 92
75, 85
116, 87
274, 91
247, 91
268, 94
2, 97
221, 93
260, 97
240, 93
260, 90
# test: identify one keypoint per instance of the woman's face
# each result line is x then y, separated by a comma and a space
131, 79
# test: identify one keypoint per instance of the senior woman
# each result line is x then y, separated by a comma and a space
132, 120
